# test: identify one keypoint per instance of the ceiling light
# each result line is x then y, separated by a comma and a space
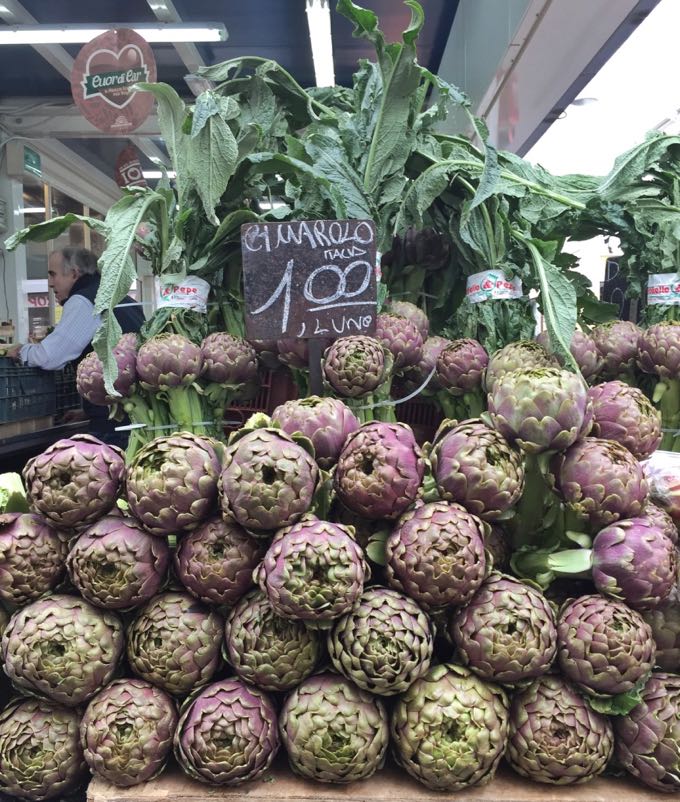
31, 210
78, 34
266, 205
157, 174
319, 23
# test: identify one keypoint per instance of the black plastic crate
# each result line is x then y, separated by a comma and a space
25, 392
66, 389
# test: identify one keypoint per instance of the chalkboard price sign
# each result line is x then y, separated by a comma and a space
309, 278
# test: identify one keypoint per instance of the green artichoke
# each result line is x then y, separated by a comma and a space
63, 648
268, 480
174, 642
520, 355
172, 483
333, 731
384, 644
274, 653
228, 734
75, 481
449, 729
40, 756
506, 633
127, 731
355, 366
555, 737
31, 557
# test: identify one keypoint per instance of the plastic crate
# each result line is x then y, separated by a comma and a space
66, 390
276, 387
25, 392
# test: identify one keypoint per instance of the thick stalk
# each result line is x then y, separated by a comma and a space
186, 411
528, 523
667, 398
475, 403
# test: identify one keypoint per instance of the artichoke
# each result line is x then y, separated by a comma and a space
555, 737
268, 479
274, 653
625, 414
31, 557
379, 470
401, 338
582, 348
543, 409
449, 729
327, 422
435, 554
168, 361
314, 571
355, 366
228, 360
267, 353
520, 355
665, 624
174, 642
432, 348
215, 562
294, 352
228, 734
659, 349
461, 366
603, 646
127, 731
648, 739
617, 343
40, 756
75, 481
63, 648
172, 483
475, 466
411, 312
117, 565
90, 373
661, 519
601, 481
506, 633
384, 644
333, 731
498, 548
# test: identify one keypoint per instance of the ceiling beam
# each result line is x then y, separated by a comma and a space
150, 149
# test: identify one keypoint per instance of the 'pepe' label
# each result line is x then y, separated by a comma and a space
492, 285
191, 293
663, 288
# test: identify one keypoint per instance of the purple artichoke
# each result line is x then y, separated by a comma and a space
665, 624
268, 479
355, 366
379, 470
647, 739
600, 480
411, 312
498, 546
475, 466
603, 646
327, 422
661, 519
90, 373
168, 361
63, 648
117, 565
411, 379
401, 338
617, 343
435, 554
32, 557
228, 360
461, 366
555, 737
584, 351
294, 352
625, 414
267, 353
544, 409
172, 483
659, 349
520, 355
215, 562
228, 734
174, 642
313, 571
126, 732
75, 481
506, 633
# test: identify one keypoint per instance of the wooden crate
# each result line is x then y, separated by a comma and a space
389, 785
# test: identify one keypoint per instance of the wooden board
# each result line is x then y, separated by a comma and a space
389, 785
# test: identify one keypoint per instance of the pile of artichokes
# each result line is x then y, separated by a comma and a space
327, 586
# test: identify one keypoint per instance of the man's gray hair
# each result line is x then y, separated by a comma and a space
79, 259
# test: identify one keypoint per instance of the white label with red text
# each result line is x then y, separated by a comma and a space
492, 285
188, 293
663, 288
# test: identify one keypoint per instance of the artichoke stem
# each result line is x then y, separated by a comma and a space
186, 410
669, 406
449, 405
474, 402
528, 522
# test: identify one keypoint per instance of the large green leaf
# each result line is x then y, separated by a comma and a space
51, 229
632, 166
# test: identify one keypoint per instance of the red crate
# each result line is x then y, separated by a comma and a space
276, 388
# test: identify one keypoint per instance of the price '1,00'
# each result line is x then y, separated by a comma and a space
332, 301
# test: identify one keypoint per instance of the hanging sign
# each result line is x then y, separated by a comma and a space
104, 72
309, 278
129, 168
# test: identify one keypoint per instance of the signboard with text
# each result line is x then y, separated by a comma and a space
309, 278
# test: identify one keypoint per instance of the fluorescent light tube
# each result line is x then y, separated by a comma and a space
31, 210
319, 23
79, 34
157, 174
